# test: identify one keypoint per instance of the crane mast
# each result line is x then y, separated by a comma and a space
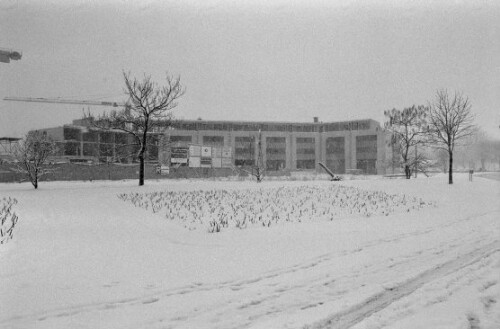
63, 101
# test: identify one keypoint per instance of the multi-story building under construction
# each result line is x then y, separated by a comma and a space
344, 146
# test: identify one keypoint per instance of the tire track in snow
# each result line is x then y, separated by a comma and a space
234, 285
378, 302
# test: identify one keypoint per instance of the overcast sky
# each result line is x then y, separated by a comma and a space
251, 60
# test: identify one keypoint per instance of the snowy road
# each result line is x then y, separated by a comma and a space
83, 259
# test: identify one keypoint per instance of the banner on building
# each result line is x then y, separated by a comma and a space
179, 152
226, 162
216, 152
194, 150
163, 170
206, 162
206, 152
179, 155
178, 160
226, 152
194, 162
217, 162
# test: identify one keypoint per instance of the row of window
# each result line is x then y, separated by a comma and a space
285, 127
243, 157
245, 127
76, 134
366, 151
352, 125
275, 150
91, 149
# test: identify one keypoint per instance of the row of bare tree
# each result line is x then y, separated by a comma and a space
444, 124
148, 108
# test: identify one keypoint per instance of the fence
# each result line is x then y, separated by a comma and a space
111, 171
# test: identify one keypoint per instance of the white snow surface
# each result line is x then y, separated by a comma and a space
81, 257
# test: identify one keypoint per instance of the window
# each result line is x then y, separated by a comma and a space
336, 165
243, 162
335, 146
243, 139
367, 165
306, 164
72, 148
71, 134
274, 165
306, 151
275, 150
106, 137
90, 136
366, 149
305, 140
175, 139
275, 140
213, 140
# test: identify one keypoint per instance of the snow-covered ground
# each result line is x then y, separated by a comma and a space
81, 257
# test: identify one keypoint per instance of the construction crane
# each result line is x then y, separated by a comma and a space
8, 54
64, 101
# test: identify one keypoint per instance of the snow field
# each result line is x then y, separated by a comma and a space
83, 258
215, 210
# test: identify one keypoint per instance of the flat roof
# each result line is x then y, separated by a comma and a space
270, 122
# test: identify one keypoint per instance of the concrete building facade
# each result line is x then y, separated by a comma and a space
347, 146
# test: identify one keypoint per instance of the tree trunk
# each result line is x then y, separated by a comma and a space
35, 179
142, 151
141, 169
450, 169
407, 171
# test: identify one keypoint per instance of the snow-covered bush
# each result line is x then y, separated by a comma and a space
216, 210
8, 219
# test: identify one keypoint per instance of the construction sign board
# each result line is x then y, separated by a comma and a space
206, 152
194, 162
226, 152
216, 152
163, 170
226, 162
178, 160
206, 162
217, 162
195, 150
179, 155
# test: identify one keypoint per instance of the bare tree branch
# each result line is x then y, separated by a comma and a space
408, 129
31, 155
148, 109
450, 122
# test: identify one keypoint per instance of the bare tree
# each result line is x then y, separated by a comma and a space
31, 155
408, 129
258, 169
149, 110
450, 122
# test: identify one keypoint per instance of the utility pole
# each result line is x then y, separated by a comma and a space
416, 160
260, 164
